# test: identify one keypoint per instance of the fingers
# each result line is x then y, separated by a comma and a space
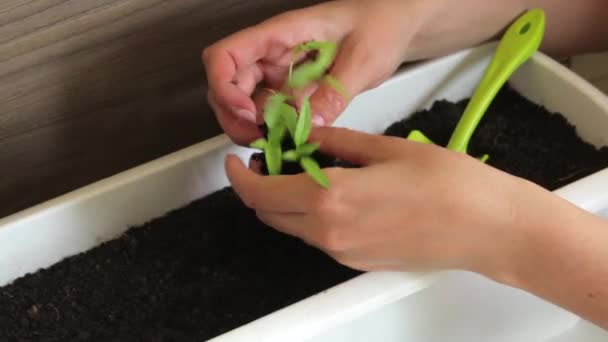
260, 97
221, 70
249, 78
242, 132
308, 228
235, 65
358, 147
285, 194
299, 193
233, 70
357, 67
247, 53
336, 242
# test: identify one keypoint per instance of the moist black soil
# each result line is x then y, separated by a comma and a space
211, 266
521, 138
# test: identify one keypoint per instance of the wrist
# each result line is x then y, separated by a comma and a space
495, 248
543, 226
560, 256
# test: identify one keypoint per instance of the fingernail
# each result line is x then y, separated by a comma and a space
244, 114
318, 120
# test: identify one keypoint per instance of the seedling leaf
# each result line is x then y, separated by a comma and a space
272, 109
307, 149
312, 168
281, 117
295, 55
304, 124
276, 134
418, 136
290, 118
290, 155
313, 70
273, 159
260, 144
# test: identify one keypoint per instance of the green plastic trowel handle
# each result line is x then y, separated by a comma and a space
517, 45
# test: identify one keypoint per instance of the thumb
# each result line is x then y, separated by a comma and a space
356, 68
358, 147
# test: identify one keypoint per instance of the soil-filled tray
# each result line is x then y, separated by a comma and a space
211, 266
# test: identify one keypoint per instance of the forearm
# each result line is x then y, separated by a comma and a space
574, 27
563, 257
446, 26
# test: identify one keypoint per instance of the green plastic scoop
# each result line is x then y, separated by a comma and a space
517, 45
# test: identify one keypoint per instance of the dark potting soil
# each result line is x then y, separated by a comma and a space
520, 137
211, 266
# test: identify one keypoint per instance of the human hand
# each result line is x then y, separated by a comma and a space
410, 206
372, 36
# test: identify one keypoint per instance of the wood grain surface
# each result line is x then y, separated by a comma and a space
89, 88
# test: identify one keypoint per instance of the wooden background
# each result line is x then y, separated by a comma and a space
89, 88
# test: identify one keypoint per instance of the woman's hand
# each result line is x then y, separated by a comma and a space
411, 206
372, 36
375, 37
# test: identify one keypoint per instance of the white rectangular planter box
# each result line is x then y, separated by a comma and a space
382, 306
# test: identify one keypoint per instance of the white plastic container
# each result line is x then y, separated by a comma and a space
382, 306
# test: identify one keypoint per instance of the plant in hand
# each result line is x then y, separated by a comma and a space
281, 118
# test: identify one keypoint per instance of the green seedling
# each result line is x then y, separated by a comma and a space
276, 115
312, 168
521, 40
282, 118
272, 154
303, 125
289, 117
274, 108
303, 155
303, 151
311, 71
299, 131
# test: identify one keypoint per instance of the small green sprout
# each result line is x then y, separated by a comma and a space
312, 168
303, 155
273, 159
307, 149
282, 118
273, 109
291, 156
290, 118
260, 144
300, 132
276, 115
311, 71
303, 125
272, 153
303, 151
